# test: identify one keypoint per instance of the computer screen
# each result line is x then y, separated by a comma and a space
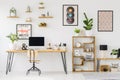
36, 41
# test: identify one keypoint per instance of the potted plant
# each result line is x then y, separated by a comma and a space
13, 38
12, 11
41, 5
88, 25
114, 53
77, 31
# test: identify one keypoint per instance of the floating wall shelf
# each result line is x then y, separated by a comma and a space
45, 17
12, 17
41, 7
28, 11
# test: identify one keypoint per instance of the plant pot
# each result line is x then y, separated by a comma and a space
12, 14
76, 34
89, 32
114, 56
13, 46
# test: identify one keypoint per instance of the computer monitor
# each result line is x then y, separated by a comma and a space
36, 41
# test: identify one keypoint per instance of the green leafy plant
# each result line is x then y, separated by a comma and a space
41, 3
13, 10
114, 52
12, 37
88, 22
77, 30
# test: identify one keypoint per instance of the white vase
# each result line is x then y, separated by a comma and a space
12, 14
76, 34
114, 56
89, 33
13, 46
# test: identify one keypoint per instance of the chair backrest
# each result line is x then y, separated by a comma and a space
32, 55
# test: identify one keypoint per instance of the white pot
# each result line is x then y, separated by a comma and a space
89, 33
76, 34
12, 14
114, 56
13, 46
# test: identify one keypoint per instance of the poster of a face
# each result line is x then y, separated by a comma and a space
70, 15
24, 31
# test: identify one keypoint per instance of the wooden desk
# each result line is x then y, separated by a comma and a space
11, 53
99, 59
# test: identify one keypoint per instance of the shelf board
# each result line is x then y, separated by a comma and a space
12, 17
83, 36
83, 71
88, 51
45, 17
108, 58
78, 64
89, 60
41, 7
89, 43
28, 11
78, 56
42, 26
28, 21
78, 47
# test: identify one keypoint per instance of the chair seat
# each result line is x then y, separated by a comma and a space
31, 61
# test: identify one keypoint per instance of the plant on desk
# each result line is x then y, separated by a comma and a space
114, 53
13, 38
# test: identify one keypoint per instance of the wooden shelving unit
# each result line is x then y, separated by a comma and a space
12, 17
87, 48
45, 17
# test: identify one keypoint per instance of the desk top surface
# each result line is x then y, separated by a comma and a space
108, 58
45, 50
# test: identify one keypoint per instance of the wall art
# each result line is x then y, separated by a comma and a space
70, 15
105, 20
24, 31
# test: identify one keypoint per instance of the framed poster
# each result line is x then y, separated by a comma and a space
24, 31
105, 20
70, 15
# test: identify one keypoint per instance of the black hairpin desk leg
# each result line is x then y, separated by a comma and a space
9, 62
63, 56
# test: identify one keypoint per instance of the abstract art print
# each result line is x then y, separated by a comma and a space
70, 15
105, 20
24, 31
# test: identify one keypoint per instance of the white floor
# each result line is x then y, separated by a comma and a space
43, 76
60, 76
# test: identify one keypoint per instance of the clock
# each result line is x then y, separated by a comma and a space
78, 44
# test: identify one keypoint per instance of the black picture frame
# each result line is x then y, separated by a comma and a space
109, 12
24, 31
75, 14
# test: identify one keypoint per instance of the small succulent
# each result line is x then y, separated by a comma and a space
77, 30
13, 10
12, 37
114, 52
41, 3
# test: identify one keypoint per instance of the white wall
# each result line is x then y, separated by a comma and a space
54, 32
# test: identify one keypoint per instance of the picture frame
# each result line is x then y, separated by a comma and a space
24, 31
70, 15
105, 20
